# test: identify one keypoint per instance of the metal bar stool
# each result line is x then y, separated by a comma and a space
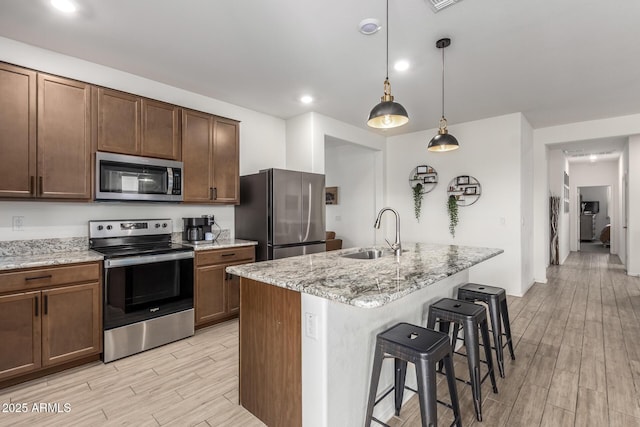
496, 300
470, 317
424, 348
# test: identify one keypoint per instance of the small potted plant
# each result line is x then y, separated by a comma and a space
452, 209
417, 200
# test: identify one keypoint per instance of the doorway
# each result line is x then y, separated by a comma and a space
594, 221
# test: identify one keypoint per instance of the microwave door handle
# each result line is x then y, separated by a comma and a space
169, 180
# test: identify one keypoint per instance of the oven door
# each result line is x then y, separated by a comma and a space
145, 287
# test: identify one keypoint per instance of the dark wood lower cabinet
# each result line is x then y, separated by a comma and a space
217, 293
20, 329
44, 324
271, 353
71, 326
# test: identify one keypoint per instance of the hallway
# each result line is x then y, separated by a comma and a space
577, 353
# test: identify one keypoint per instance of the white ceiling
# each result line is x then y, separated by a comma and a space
557, 62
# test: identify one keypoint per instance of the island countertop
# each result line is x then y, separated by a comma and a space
366, 283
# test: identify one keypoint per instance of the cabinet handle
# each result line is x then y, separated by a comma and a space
32, 185
48, 276
40, 185
215, 193
46, 304
232, 254
36, 306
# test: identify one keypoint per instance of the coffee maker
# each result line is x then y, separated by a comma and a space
195, 229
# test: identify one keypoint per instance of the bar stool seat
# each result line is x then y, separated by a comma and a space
424, 348
496, 300
470, 317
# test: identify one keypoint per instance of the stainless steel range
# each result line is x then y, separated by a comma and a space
148, 285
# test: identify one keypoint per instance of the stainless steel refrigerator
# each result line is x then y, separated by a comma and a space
283, 211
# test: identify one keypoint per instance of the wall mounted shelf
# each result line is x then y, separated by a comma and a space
425, 175
466, 189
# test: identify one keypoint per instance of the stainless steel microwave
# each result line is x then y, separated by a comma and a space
131, 178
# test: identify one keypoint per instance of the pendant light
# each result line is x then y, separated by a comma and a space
387, 114
443, 141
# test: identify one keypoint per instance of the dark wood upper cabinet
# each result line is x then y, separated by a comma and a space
17, 131
64, 138
130, 124
226, 164
118, 122
196, 155
160, 130
210, 152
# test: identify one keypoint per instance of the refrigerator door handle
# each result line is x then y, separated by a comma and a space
306, 236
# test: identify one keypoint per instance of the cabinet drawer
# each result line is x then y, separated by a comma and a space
49, 276
218, 256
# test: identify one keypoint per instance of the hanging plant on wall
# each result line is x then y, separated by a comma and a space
452, 209
417, 200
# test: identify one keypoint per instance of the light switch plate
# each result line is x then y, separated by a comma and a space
311, 325
18, 223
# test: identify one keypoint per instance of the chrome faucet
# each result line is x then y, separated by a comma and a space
396, 246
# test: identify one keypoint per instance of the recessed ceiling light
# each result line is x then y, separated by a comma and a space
306, 99
401, 65
65, 6
369, 26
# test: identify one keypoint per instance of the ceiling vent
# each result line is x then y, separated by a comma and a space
438, 5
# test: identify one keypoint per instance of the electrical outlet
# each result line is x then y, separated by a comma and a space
311, 325
18, 223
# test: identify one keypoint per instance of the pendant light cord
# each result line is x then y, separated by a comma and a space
387, 39
443, 82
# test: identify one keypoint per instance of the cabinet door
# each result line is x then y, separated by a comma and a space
19, 333
160, 130
210, 298
17, 131
71, 323
118, 122
64, 138
196, 155
226, 172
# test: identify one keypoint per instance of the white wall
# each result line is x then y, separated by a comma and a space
558, 165
351, 168
589, 174
633, 218
603, 195
526, 204
262, 145
490, 151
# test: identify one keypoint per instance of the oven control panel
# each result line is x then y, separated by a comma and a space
133, 227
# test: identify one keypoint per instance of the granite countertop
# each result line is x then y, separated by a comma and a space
32, 253
220, 244
366, 283
43, 260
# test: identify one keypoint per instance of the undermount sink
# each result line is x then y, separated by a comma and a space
369, 254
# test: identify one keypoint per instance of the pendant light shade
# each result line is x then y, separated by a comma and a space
387, 114
443, 141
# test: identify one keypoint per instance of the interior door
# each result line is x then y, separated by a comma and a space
313, 208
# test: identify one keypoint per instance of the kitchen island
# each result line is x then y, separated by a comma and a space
308, 326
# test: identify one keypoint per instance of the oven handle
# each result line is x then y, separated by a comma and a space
146, 259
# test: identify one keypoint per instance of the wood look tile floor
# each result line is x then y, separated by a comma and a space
192, 382
577, 364
577, 346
